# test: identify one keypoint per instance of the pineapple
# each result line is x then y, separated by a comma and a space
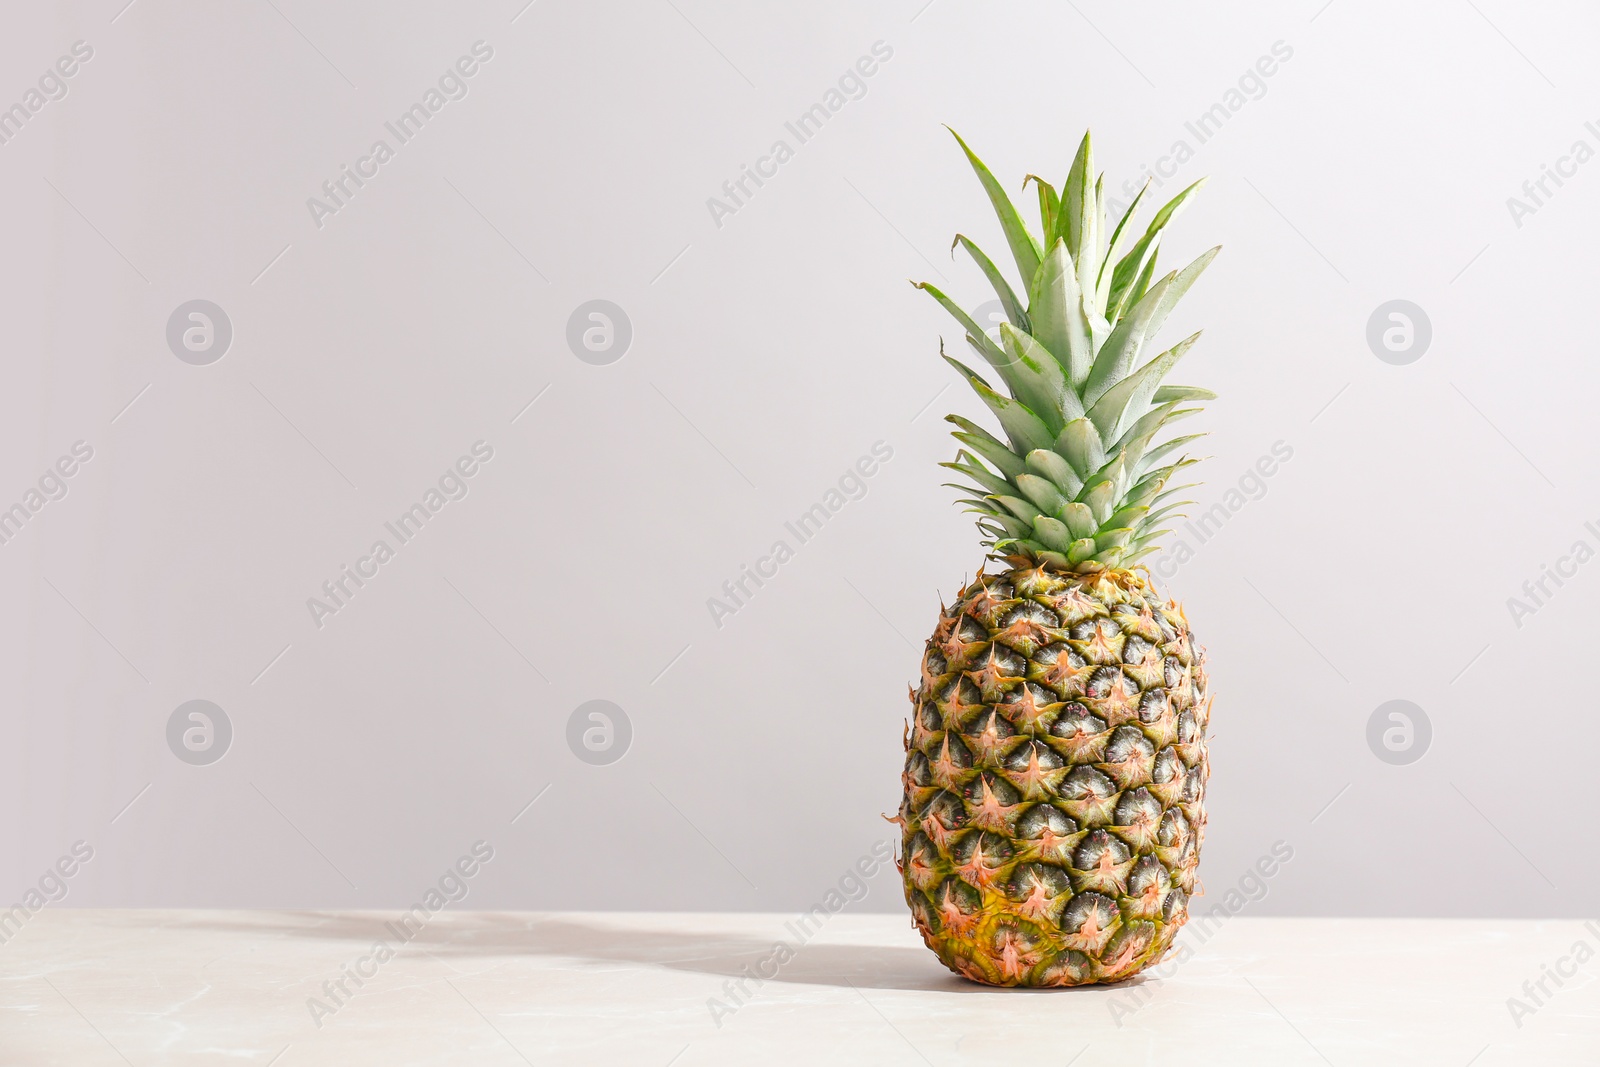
1056, 757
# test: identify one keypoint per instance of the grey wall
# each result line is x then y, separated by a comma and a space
771, 348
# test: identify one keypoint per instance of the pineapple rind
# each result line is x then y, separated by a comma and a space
1055, 778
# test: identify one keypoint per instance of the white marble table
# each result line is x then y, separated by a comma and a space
85, 988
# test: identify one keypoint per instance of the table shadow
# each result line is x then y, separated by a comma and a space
468, 935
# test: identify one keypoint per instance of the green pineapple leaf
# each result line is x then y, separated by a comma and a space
986, 445
1122, 348
1055, 305
1051, 380
1002, 288
1042, 492
1022, 426
1024, 248
1169, 393
1080, 443
1107, 265
990, 482
1079, 519
990, 350
1049, 203
1020, 508
1075, 224
1126, 401
1053, 532
1059, 471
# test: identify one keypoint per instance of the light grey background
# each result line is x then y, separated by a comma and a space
768, 353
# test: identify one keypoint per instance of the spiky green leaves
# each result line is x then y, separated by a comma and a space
1078, 482
1024, 248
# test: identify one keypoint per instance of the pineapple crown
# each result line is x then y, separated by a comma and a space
1079, 483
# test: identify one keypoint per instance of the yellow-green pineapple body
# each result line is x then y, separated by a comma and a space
1055, 778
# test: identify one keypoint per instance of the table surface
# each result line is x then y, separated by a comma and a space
90, 987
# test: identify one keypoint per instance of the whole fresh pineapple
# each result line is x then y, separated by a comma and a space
1056, 757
